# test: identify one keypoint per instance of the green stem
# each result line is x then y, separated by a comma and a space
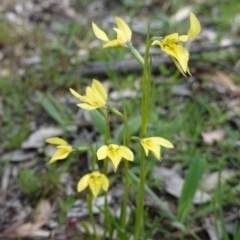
139, 224
164, 208
220, 203
89, 204
105, 168
94, 158
126, 182
106, 136
106, 141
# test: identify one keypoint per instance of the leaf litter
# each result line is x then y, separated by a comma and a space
28, 14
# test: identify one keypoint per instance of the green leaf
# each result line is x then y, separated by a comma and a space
189, 189
98, 121
134, 125
236, 230
50, 108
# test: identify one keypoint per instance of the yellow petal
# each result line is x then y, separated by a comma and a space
97, 86
114, 153
102, 152
178, 66
89, 94
183, 38
59, 155
115, 160
159, 43
95, 183
112, 44
56, 141
83, 183
126, 153
144, 147
99, 33
161, 141
105, 184
114, 146
155, 149
121, 38
66, 147
74, 93
171, 51
171, 39
180, 54
195, 26
152, 145
86, 106
94, 98
182, 57
124, 28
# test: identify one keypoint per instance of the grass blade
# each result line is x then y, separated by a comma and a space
50, 108
189, 189
98, 121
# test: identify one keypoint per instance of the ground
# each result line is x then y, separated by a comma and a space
47, 47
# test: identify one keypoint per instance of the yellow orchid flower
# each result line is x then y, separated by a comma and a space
96, 96
179, 54
115, 153
124, 34
63, 148
95, 181
153, 144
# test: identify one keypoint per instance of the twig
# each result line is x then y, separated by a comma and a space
100, 69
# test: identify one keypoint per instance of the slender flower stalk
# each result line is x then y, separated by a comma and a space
105, 168
91, 216
139, 224
123, 217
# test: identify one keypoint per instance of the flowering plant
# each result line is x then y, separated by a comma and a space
96, 98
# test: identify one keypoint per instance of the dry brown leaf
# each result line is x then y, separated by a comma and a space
27, 230
20, 155
215, 135
174, 184
218, 77
210, 226
37, 138
210, 181
44, 213
5, 178
33, 229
